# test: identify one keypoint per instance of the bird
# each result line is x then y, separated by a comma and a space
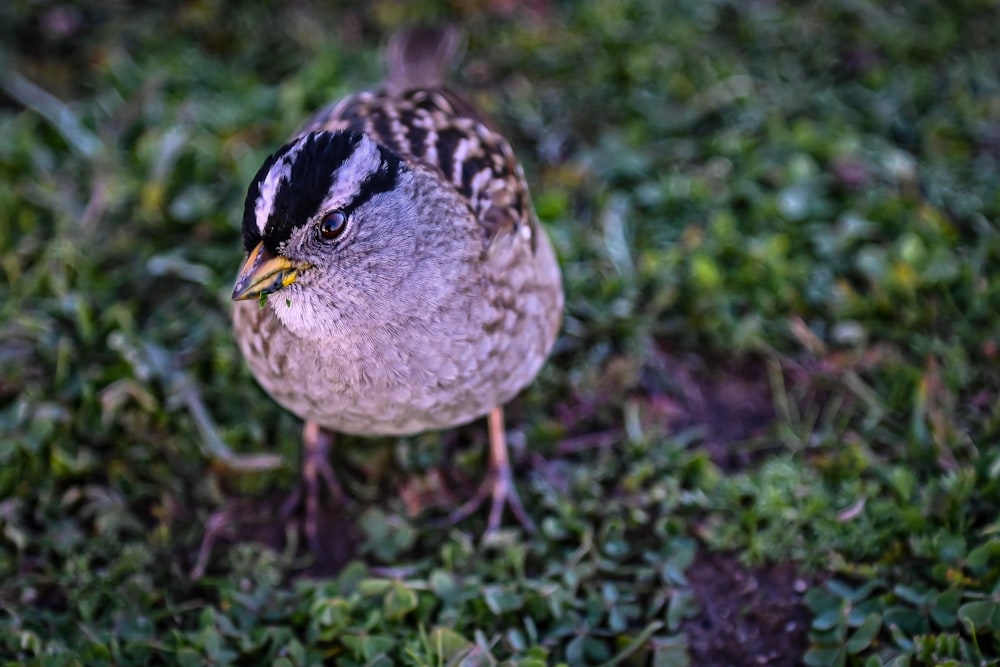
396, 277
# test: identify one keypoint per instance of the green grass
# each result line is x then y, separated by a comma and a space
779, 225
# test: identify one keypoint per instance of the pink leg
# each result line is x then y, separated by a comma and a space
499, 483
316, 472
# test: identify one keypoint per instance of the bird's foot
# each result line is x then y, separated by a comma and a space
499, 486
317, 477
307, 493
499, 483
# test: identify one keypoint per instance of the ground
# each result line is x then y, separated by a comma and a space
768, 432
750, 617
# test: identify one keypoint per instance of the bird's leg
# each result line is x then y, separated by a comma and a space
499, 482
316, 471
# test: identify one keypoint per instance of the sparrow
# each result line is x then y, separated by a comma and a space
396, 277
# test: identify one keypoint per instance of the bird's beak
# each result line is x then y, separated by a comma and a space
263, 273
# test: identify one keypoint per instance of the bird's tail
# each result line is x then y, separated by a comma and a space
419, 57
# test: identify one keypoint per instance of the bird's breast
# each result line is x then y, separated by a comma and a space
377, 382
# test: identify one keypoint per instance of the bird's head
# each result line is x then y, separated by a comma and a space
329, 226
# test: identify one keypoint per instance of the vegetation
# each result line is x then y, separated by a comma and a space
770, 431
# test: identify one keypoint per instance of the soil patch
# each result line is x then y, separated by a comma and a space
731, 401
749, 616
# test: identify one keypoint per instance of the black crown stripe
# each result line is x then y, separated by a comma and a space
312, 172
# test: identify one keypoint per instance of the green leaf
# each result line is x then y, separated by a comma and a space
399, 601
944, 609
683, 604
909, 621
819, 601
825, 657
980, 616
448, 645
671, 652
902, 639
366, 647
899, 661
911, 595
865, 634
501, 600
445, 585
828, 619
387, 535
330, 616
575, 651
374, 586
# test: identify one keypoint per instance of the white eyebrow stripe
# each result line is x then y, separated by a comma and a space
279, 173
364, 160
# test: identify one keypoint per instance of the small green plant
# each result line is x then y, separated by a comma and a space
874, 624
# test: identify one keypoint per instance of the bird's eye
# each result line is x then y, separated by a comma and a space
332, 225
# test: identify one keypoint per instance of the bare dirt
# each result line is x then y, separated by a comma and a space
749, 616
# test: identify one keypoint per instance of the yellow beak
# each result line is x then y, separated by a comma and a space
263, 273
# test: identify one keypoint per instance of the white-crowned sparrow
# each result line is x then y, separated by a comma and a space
397, 279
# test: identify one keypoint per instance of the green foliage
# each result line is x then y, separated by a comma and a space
931, 626
779, 225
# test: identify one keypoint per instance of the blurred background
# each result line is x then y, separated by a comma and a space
769, 432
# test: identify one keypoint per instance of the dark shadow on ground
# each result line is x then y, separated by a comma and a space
730, 401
